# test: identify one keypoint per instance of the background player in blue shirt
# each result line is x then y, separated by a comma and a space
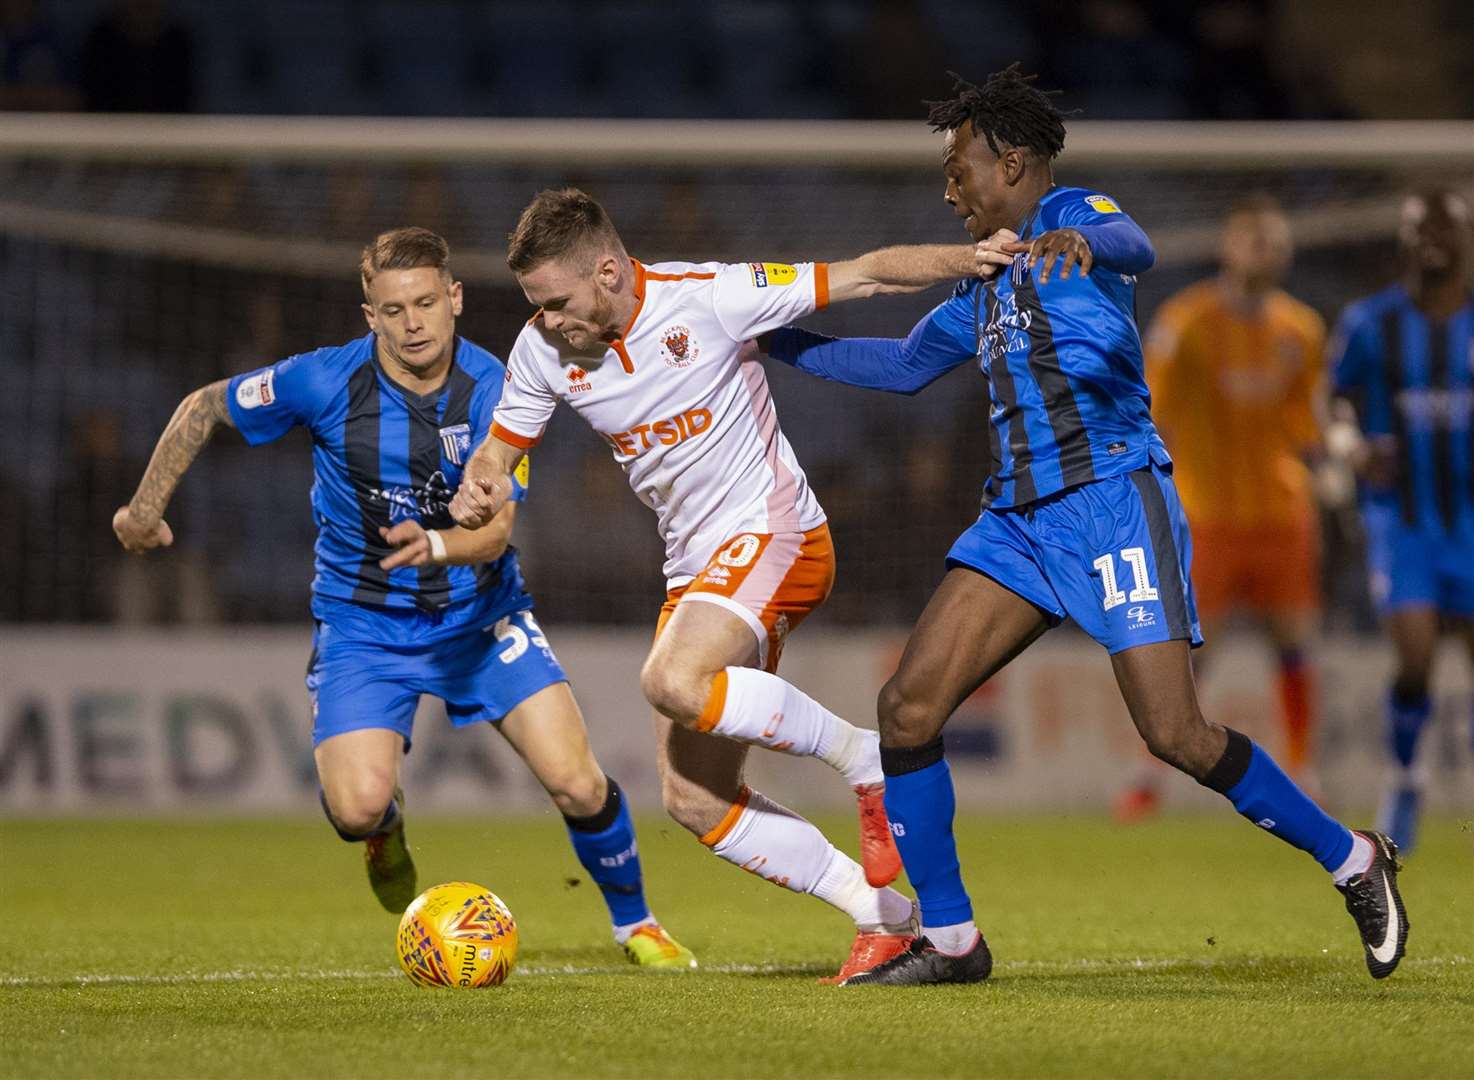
406, 601
1080, 518
1402, 367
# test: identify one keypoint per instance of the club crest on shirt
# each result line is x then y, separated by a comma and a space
455, 443
677, 347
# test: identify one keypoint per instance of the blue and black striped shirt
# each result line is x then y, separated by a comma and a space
1069, 401
1412, 378
383, 454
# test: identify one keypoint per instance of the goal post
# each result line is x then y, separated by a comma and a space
143, 256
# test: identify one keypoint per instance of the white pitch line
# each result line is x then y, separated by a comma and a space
1023, 967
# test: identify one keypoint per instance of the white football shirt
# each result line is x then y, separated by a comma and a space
683, 400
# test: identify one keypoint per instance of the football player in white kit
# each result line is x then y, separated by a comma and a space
658, 360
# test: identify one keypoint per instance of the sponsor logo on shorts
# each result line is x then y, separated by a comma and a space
1140, 617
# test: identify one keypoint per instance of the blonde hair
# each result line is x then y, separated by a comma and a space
403, 249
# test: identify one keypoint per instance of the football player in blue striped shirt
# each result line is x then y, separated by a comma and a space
407, 602
1402, 368
1080, 519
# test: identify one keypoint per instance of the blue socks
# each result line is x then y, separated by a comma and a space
605, 844
1259, 790
1407, 714
920, 803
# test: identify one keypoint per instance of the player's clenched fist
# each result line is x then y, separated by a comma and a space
991, 254
481, 494
138, 537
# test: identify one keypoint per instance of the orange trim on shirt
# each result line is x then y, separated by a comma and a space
511, 438
821, 285
618, 344
689, 275
723, 827
641, 276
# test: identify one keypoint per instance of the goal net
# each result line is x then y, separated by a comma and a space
140, 258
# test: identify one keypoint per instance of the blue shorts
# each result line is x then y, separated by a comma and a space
359, 678
1413, 567
1113, 555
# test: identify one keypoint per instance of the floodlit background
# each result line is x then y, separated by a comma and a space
142, 256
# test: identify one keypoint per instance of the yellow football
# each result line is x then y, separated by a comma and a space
457, 935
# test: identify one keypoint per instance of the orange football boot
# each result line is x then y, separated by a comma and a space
878, 854
870, 951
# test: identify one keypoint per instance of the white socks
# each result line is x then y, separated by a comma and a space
755, 707
1357, 862
953, 940
773, 842
875, 911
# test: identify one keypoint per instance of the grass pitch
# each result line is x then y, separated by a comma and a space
1193, 946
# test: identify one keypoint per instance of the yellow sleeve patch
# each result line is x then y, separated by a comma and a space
1102, 204
765, 274
523, 470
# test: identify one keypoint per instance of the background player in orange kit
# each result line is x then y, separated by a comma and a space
1235, 366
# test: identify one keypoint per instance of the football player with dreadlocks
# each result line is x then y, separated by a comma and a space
1079, 519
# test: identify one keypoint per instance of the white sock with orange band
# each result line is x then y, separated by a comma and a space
753, 706
771, 841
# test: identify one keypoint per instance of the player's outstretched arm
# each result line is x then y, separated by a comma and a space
945, 339
486, 484
905, 269
417, 546
140, 525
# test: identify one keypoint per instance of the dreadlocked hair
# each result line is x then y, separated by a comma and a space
1008, 106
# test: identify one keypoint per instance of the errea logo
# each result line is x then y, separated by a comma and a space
578, 380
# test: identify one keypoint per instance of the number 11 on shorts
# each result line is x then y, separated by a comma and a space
1136, 558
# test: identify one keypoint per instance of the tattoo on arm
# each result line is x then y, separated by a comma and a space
188, 431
